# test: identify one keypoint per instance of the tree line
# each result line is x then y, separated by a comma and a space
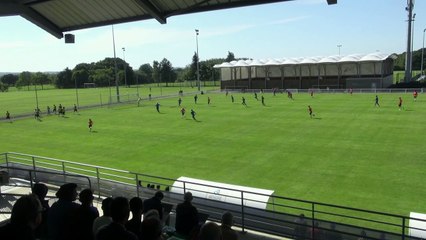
102, 74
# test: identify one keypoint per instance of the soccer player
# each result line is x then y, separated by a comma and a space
255, 96
232, 98
351, 91
415, 95
139, 100
75, 108
263, 100
183, 111
311, 113
226, 93
179, 101
48, 110
244, 101
377, 101
289, 94
208, 100
157, 106
54, 109
312, 93
7, 115
90, 124
195, 98
193, 114
400, 103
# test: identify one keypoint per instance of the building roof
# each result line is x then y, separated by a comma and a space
372, 57
59, 16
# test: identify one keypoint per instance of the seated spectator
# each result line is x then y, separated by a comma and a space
154, 203
210, 231
151, 214
227, 232
82, 221
40, 190
120, 211
332, 234
151, 229
61, 212
186, 216
26, 216
134, 224
106, 218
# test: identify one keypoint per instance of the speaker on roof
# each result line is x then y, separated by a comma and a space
331, 2
69, 38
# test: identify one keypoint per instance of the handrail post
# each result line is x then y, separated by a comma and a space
99, 182
7, 159
313, 221
403, 228
242, 211
31, 179
184, 188
63, 170
34, 166
137, 184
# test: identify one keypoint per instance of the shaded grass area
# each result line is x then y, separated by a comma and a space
351, 153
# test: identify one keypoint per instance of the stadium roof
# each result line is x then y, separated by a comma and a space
59, 16
372, 57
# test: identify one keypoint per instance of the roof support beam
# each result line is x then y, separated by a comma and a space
41, 21
152, 10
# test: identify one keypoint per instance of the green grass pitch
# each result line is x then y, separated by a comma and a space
351, 153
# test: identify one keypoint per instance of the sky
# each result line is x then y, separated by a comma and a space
301, 28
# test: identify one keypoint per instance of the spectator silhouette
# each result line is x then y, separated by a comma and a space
134, 224
210, 231
120, 210
227, 232
40, 190
26, 216
186, 216
300, 228
106, 218
61, 212
84, 216
154, 203
332, 234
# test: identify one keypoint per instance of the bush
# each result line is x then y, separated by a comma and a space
4, 87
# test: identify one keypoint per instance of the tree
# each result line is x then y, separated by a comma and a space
230, 57
102, 77
9, 79
3, 87
193, 67
64, 79
40, 78
156, 72
80, 77
166, 71
145, 72
24, 80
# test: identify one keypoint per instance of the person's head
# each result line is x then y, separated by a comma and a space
210, 231
153, 213
120, 210
187, 197
227, 219
106, 206
86, 197
159, 195
67, 192
40, 190
27, 211
151, 229
136, 206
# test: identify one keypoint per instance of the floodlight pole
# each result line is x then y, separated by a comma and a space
76, 91
412, 44
115, 65
35, 86
125, 66
423, 52
198, 60
339, 46
408, 57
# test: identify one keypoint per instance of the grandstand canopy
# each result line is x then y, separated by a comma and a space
59, 16
372, 57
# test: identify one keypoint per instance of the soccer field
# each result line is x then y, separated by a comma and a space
351, 153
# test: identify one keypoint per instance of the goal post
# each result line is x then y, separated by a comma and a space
89, 85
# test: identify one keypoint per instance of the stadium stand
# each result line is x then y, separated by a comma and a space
280, 219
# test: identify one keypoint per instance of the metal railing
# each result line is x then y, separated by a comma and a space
281, 217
